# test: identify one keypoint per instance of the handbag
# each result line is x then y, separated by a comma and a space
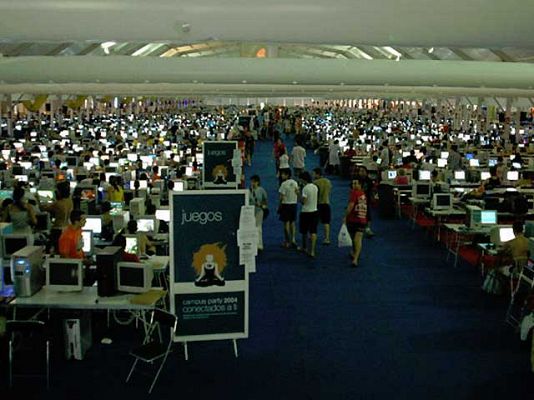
343, 237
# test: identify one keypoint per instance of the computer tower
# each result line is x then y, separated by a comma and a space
78, 336
137, 207
106, 270
26, 271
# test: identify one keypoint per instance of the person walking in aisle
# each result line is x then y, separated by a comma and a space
333, 157
356, 219
323, 202
309, 217
287, 209
258, 198
298, 155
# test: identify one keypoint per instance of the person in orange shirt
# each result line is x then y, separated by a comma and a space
70, 242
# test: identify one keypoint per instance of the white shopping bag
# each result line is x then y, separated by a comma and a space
343, 238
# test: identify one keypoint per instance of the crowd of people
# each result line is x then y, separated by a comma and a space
137, 151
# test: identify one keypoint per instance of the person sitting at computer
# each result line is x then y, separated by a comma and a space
19, 213
401, 178
120, 241
145, 245
115, 190
70, 243
107, 222
60, 210
494, 180
515, 252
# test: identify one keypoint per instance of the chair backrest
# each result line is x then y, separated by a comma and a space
527, 275
164, 319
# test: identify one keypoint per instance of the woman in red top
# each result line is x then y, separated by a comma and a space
356, 219
279, 148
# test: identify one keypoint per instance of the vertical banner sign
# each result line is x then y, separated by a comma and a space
219, 170
209, 287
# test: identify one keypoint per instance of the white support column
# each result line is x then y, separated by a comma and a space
9, 102
507, 119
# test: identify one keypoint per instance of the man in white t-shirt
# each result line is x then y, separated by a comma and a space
287, 210
309, 216
298, 154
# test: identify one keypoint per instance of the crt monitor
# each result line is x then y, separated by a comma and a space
392, 174
116, 208
132, 244
12, 242
444, 155
501, 234
179, 185
442, 201
492, 162
64, 274
421, 190
134, 277
424, 175
93, 223
147, 223
163, 214
484, 175
88, 242
46, 196
488, 217
512, 175
459, 175
474, 162
442, 162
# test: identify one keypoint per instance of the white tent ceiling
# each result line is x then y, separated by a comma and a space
139, 45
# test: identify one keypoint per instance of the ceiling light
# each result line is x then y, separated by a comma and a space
243, 81
430, 50
294, 82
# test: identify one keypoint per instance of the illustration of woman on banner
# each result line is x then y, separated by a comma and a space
220, 173
209, 262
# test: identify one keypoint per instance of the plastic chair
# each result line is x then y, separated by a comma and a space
521, 287
153, 350
27, 336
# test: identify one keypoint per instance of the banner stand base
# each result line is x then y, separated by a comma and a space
186, 350
235, 348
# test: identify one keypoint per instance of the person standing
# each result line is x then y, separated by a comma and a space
20, 213
356, 219
298, 156
258, 198
309, 217
60, 210
333, 156
279, 148
323, 202
288, 191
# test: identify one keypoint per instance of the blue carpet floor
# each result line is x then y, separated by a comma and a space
406, 325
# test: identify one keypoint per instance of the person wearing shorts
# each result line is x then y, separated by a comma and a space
356, 219
309, 216
287, 210
323, 202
